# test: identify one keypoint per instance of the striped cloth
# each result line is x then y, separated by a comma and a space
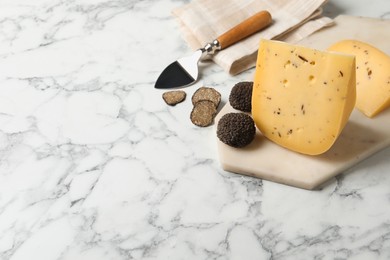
202, 21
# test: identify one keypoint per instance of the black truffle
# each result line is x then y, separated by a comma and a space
174, 97
203, 113
206, 93
236, 129
240, 96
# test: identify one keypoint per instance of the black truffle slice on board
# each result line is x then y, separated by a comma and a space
174, 97
205, 93
203, 113
240, 96
236, 129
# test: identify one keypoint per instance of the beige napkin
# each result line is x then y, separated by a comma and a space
202, 21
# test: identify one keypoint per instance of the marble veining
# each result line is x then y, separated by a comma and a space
94, 165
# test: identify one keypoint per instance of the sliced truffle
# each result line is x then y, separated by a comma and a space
240, 96
205, 93
174, 97
236, 129
203, 113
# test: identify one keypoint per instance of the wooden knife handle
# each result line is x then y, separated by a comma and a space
246, 28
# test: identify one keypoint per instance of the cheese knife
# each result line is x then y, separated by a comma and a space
184, 71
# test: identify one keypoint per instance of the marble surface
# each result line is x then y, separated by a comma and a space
94, 165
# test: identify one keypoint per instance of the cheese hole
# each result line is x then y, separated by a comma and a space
287, 64
285, 82
313, 63
311, 78
369, 72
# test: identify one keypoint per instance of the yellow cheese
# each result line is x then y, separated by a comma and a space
372, 75
302, 98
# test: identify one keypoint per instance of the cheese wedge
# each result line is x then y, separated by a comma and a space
372, 75
302, 98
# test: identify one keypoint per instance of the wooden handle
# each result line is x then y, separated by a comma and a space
248, 27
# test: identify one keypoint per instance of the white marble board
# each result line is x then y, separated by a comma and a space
361, 138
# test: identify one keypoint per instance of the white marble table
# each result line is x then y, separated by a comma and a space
94, 165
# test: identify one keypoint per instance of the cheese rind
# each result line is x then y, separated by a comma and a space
372, 75
302, 98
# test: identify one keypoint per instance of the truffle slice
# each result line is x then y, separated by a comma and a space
240, 96
174, 97
205, 93
203, 113
236, 129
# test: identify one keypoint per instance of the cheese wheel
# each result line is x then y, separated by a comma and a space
302, 98
372, 75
